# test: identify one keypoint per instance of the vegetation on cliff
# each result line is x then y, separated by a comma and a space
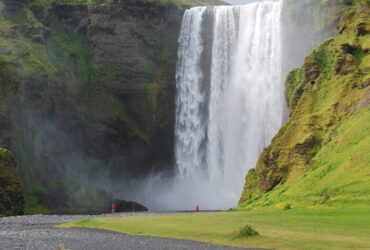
92, 3
11, 196
321, 155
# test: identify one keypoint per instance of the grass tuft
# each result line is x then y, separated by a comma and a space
247, 231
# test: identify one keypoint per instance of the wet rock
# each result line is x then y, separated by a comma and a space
346, 48
344, 64
361, 29
311, 69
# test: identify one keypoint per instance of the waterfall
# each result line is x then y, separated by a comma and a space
229, 105
229, 100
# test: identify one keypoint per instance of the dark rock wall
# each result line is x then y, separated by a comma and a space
88, 93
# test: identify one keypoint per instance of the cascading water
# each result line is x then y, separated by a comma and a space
229, 103
230, 93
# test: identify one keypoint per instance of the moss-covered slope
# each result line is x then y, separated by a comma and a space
321, 156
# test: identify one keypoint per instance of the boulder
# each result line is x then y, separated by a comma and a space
129, 206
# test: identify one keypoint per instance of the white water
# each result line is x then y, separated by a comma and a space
229, 103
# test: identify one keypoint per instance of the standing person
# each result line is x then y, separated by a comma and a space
197, 208
113, 208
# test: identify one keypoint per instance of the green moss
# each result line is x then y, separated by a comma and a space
70, 53
33, 206
11, 196
148, 35
294, 86
18, 41
363, 2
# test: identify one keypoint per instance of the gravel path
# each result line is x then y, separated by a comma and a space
38, 232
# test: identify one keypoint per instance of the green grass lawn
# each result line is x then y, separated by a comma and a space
279, 229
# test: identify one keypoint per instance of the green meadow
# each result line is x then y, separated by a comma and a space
278, 229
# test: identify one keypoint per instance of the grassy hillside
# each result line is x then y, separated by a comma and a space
321, 156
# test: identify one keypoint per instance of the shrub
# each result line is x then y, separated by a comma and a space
247, 231
287, 206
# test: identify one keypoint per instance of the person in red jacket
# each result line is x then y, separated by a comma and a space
113, 208
197, 208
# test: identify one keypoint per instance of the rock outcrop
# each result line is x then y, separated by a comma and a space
129, 206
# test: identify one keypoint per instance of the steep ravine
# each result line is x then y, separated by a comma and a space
320, 157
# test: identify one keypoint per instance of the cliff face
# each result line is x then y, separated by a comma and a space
87, 95
321, 155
